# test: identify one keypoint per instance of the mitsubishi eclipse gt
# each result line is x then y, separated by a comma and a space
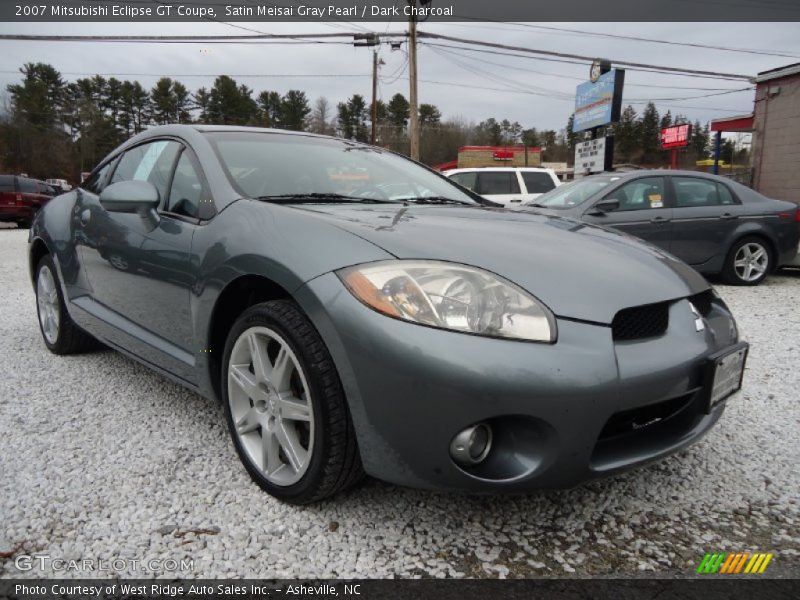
356, 312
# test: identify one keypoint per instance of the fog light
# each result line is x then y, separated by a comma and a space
471, 445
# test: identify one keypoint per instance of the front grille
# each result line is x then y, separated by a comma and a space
641, 322
644, 417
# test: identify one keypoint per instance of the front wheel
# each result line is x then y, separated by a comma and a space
748, 263
60, 334
285, 406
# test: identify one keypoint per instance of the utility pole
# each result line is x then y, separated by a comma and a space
371, 39
413, 108
374, 96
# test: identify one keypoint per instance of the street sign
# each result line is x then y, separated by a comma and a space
592, 156
599, 103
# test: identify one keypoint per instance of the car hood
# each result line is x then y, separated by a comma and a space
579, 271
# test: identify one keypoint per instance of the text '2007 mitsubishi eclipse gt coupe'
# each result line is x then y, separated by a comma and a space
356, 312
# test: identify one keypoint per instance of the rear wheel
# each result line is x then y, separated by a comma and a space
60, 334
285, 406
749, 262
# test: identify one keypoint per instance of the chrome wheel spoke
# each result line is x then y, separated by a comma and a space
295, 453
281, 371
294, 409
248, 422
241, 376
270, 457
258, 355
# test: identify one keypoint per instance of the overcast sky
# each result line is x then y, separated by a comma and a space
337, 71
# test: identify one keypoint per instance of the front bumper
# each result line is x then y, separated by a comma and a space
559, 411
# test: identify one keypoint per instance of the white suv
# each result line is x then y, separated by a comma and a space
510, 186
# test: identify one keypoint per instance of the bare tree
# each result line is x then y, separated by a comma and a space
321, 117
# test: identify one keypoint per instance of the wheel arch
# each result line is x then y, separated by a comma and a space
37, 251
236, 297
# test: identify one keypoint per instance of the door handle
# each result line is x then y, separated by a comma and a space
517, 201
659, 220
86, 216
728, 216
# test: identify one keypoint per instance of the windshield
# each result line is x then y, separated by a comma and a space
281, 167
572, 194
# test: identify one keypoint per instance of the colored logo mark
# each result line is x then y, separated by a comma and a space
734, 563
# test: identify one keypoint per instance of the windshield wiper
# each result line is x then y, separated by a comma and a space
433, 200
318, 197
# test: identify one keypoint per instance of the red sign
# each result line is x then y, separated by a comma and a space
677, 136
503, 155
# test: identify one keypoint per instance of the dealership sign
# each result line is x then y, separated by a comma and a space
677, 136
591, 156
599, 103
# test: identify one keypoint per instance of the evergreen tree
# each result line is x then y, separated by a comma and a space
231, 104
270, 108
429, 115
626, 136
398, 111
294, 110
650, 134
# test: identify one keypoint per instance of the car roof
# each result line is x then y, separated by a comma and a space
470, 169
658, 173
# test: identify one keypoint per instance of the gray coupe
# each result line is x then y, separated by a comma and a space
357, 312
716, 225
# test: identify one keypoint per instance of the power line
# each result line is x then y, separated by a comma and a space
240, 75
455, 49
179, 39
565, 55
631, 38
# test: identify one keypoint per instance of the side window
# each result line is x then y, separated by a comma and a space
96, 182
149, 162
28, 186
498, 182
467, 179
186, 192
6, 183
725, 195
691, 191
640, 194
537, 182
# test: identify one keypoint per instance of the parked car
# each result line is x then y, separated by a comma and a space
21, 198
425, 340
714, 224
509, 186
60, 184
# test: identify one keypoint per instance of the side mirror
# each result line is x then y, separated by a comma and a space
130, 197
605, 206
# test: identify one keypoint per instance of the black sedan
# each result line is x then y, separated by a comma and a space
714, 224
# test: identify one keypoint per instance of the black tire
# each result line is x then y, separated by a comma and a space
729, 270
334, 464
70, 338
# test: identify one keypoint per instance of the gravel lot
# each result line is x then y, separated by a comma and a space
102, 459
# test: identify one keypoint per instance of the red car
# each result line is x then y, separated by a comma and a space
21, 198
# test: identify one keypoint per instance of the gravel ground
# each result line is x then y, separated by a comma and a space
102, 459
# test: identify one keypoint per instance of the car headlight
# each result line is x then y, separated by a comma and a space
451, 296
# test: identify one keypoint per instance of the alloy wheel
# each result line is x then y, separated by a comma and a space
47, 303
270, 405
751, 261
